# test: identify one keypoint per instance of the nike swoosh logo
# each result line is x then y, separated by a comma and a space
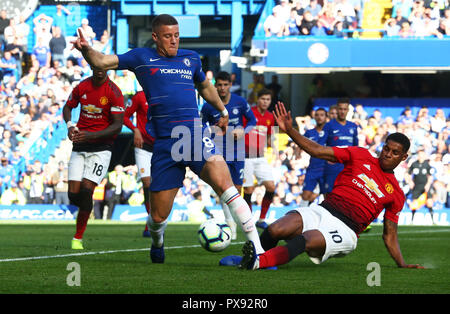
151, 60
126, 216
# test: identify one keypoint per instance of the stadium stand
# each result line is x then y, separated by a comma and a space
33, 135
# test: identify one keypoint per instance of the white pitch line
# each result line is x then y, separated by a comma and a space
96, 253
177, 247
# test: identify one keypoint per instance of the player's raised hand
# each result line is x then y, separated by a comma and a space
283, 117
223, 124
80, 42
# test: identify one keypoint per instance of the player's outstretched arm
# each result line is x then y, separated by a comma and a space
93, 57
284, 121
390, 239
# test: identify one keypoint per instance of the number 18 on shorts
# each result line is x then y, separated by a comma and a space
89, 165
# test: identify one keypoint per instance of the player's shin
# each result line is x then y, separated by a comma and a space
239, 207
283, 254
85, 204
147, 203
157, 231
296, 246
248, 199
229, 220
267, 200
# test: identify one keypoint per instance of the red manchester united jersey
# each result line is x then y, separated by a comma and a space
362, 190
140, 106
256, 139
98, 104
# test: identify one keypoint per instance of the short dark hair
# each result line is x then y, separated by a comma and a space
223, 76
322, 109
163, 19
401, 139
264, 91
343, 100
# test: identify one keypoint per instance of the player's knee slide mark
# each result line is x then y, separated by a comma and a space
74, 198
296, 246
86, 202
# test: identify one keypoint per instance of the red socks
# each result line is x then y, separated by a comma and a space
267, 200
277, 256
82, 219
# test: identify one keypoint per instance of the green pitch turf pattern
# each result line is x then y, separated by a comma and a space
34, 258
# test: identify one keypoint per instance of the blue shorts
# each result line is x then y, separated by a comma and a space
171, 156
237, 171
313, 178
330, 174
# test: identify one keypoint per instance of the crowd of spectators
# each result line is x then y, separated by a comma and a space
31, 98
314, 18
418, 18
409, 18
36, 78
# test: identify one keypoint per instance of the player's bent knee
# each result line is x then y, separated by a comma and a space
157, 218
74, 198
86, 202
315, 243
287, 226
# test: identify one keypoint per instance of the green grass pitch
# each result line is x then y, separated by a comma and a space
34, 258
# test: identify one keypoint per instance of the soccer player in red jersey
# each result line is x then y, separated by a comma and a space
101, 118
256, 164
143, 144
365, 187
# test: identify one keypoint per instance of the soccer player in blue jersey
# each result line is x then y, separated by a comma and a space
232, 144
338, 132
169, 78
314, 172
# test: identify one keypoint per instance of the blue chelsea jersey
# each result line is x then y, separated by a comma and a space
320, 138
169, 86
341, 135
237, 108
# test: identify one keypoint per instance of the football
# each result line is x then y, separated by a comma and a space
214, 236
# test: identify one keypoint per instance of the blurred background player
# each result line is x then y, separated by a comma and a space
338, 132
331, 228
234, 154
419, 178
314, 173
101, 118
174, 107
143, 145
256, 164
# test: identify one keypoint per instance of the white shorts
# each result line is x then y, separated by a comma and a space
258, 167
143, 160
340, 239
89, 165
